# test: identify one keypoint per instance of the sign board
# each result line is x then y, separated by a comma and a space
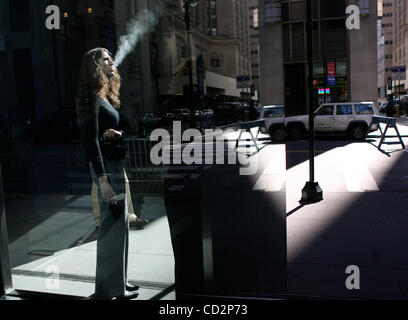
331, 73
323, 91
243, 81
399, 73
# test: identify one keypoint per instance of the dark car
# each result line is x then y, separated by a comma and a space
383, 106
55, 128
183, 115
228, 112
150, 121
204, 118
252, 111
403, 105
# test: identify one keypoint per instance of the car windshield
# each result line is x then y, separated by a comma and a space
364, 108
273, 112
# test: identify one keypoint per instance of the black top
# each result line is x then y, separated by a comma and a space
101, 117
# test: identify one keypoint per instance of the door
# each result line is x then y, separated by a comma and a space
344, 115
324, 120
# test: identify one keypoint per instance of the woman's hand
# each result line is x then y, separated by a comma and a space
112, 134
106, 189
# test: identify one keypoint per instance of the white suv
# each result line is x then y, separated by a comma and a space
353, 118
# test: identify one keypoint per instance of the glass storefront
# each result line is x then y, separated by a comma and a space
328, 89
65, 142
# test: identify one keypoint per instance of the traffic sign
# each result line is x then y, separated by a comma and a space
399, 73
243, 81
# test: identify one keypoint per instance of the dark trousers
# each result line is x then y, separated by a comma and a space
113, 237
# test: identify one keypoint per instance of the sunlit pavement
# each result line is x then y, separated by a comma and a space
63, 247
360, 222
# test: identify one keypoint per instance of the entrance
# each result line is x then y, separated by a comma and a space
295, 88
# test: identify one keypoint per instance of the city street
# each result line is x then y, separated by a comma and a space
360, 222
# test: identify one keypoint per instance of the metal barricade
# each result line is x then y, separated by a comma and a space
247, 126
390, 123
140, 167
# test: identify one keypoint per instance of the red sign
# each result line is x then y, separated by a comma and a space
331, 68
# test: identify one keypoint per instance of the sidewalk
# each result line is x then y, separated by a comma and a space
361, 222
65, 242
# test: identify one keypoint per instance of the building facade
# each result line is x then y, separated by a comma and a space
254, 40
344, 61
220, 51
386, 45
400, 42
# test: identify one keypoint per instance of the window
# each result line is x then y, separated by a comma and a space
273, 112
215, 63
344, 110
325, 111
256, 18
333, 39
364, 109
330, 9
20, 19
273, 12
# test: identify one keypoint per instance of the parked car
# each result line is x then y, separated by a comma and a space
204, 118
208, 112
383, 106
228, 112
150, 121
353, 118
403, 105
252, 111
55, 128
181, 114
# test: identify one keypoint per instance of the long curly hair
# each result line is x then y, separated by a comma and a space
93, 80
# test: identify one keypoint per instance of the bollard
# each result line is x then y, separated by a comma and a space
397, 111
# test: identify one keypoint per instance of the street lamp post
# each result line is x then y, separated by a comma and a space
312, 191
187, 5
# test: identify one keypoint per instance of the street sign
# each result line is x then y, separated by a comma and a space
243, 81
399, 73
331, 73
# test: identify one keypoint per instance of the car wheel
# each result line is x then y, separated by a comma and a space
295, 132
277, 134
358, 132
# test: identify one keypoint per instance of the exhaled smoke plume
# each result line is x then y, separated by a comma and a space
136, 28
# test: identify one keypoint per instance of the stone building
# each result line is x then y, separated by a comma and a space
349, 57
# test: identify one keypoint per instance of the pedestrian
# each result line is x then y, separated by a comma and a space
390, 106
101, 133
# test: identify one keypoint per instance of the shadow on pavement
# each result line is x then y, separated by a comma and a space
366, 229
